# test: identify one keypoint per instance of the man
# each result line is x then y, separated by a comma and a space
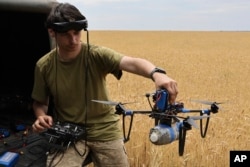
74, 74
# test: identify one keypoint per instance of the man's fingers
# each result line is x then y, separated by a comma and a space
45, 122
173, 92
172, 99
42, 123
37, 127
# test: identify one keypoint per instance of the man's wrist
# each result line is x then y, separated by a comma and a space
158, 70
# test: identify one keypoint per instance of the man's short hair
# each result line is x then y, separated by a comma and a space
64, 17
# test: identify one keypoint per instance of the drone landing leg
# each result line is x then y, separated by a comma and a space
203, 133
182, 137
126, 137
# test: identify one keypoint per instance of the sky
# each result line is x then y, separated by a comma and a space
171, 15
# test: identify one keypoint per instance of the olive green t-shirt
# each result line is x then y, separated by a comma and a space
73, 85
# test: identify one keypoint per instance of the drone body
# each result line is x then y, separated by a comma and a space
168, 125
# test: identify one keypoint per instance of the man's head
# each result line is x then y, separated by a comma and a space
64, 17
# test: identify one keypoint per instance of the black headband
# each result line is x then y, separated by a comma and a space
62, 27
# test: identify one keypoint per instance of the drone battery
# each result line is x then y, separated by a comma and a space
9, 159
162, 100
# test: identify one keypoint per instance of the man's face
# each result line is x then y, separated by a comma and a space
69, 40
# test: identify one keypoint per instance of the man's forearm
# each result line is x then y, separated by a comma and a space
137, 66
40, 109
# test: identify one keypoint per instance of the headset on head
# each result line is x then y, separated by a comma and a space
62, 27
73, 24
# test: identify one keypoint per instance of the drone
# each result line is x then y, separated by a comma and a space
168, 126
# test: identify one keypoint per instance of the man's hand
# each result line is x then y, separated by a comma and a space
144, 68
42, 123
163, 81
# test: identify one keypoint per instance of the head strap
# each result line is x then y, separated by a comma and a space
62, 27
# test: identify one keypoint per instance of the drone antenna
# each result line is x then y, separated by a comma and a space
148, 95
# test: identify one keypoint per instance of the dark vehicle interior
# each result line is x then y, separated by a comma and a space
24, 39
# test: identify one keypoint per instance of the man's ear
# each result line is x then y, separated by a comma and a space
51, 32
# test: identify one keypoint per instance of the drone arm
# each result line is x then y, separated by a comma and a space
205, 111
142, 112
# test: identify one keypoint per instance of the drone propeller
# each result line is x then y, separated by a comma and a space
214, 105
190, 120
106, 102
207, 102
109, 102
198, 117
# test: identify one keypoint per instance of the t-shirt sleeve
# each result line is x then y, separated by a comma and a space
108, 60
40, 91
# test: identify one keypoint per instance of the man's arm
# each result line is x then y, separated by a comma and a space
144, 68
43, 120
39, 108
137, 66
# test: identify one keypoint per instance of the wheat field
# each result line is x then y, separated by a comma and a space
211, 66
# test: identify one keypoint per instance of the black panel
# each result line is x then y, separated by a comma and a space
23, 41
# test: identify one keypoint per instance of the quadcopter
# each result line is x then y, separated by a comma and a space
168, 126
